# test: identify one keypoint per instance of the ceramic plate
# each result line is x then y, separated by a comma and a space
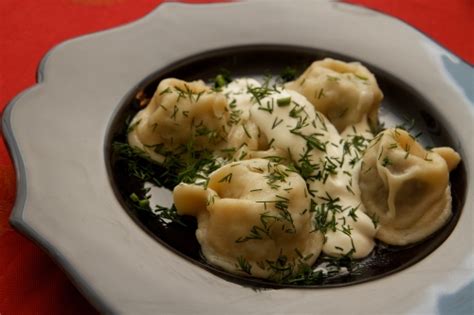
59, 133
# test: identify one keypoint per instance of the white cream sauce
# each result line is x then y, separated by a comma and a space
354, 230
275, 122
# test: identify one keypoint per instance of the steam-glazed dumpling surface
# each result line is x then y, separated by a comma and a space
406, 187
346, 93
255, 213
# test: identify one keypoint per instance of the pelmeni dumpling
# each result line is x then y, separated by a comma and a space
406, 187
179, 112
346, 93
253, 215
244, 134
293, 129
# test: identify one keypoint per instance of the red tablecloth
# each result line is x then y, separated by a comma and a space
30, 283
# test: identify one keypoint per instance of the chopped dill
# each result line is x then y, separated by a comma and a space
284, 101
221, 79
133, 126
386, 162
375, 219
288, 74
361, 77
276, 122
226, 179
246, 131
320, 94
243, 265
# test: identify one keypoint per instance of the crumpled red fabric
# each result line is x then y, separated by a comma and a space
30, 282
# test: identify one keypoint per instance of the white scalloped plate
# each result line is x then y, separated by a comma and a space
56, 132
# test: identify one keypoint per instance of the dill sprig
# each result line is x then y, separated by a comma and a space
187, 93
140, 201
243, 265
325, 213
288, 74
184, 164
169, 214
298, 271
259, 92
260, 232
276, 176
138, 164
375, 219
221, 80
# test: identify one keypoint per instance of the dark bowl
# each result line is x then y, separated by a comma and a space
401, 105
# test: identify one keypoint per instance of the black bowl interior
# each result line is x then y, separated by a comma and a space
401, 105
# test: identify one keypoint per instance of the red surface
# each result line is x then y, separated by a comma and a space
449, 22
30, 283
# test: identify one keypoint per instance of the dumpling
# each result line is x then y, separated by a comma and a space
346, 93
291, 130
178, 113
244, 135
406, 187
300, 134
252, 217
